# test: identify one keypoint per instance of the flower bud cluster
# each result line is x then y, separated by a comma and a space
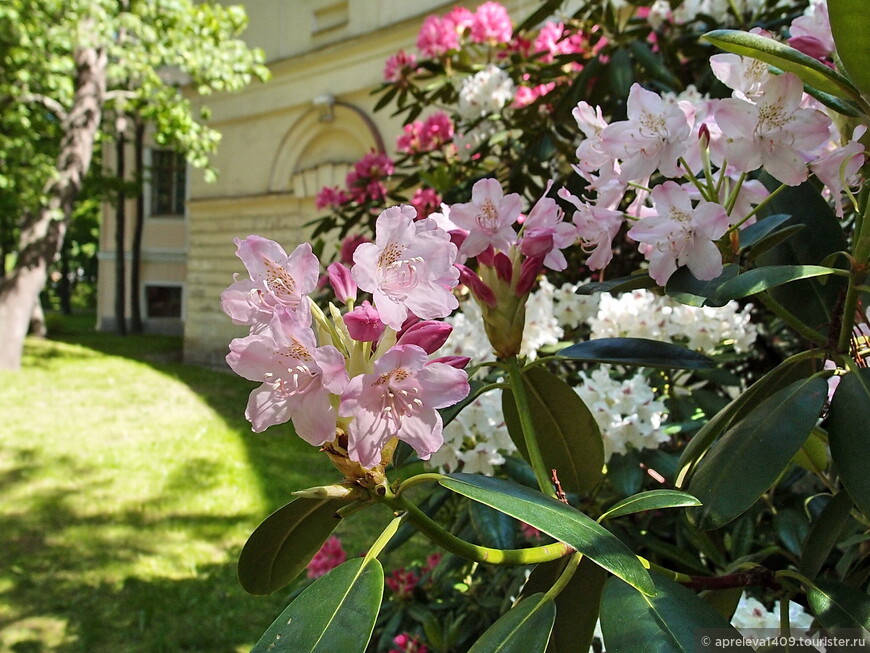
353, 383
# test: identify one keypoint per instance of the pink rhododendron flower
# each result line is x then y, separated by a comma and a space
402, 582
425, 201
461, 19
330, 197
398, 66
342, 282
429, 335
589, 154
327, 558
681, 235
492, 24
654, 137
525, 95
399, 400
811, 33
775, 132
297, 376
437, 36
277, 281
409, 267
488, 218
545, 224
436, 130
408, 644
410, 141
596, 227
349, 245
839, 168
364, 323
743, 75
365, 180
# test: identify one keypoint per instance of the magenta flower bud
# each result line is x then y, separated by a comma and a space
503, 267
539, 244
342, 283
364, 323
529, 272
486, 256
483, 292
429, 335
459, 362
704, 134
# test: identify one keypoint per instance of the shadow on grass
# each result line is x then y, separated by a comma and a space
56, 563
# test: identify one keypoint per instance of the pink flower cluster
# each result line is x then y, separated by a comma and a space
490, 24
687, 163
366, 375
403, 581
327, 558
366, 180
408, 643
426, 135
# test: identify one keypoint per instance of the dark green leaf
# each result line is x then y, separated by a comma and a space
780, 376
621, 73
723, 601
621, 284
811, 71
494, 529
386, 98
755, 233
849, 435
814, 303
755, 451
791, 527
838, 606
335, 613
650, 500
625, 473
686, 289
576, 604
567, 433
824, 534
546, 9
850, 24
637, 351
665, 623
525, 628
654, 65
762, 279
773, 240
557, 520
285, 542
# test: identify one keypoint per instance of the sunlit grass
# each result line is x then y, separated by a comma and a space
128, 484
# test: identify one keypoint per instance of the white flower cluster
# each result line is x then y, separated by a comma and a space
627, 412
542, 326
721, 11
478, 438
751, 615
484, 93
642, 314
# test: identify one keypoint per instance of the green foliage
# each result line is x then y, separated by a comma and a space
637, 351
848, 433
525, 628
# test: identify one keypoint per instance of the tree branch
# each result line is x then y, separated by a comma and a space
49, 103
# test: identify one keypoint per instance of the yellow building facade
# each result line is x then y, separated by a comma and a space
281, 142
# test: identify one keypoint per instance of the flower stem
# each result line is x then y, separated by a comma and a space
860, 255
437, 534
536, 460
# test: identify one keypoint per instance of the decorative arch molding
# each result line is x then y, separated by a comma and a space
320, 148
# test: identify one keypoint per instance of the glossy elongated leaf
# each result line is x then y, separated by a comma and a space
787, 372
811, 301
824, 534
849, 435
756, 233
838, 606
576, 605
686, 289
337, 612
761, 279
786, 58
637, 351
558, 520
525, 628
618, 285
494, 529
285, 542
567, 433
850, 24
665, 623
753, 453
650, 500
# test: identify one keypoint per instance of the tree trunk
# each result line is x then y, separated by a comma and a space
64, 284
42, 235
38, 328
120, 237
138, 229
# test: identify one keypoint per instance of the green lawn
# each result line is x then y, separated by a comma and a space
128, 484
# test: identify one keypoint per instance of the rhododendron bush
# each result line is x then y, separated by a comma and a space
603, 345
